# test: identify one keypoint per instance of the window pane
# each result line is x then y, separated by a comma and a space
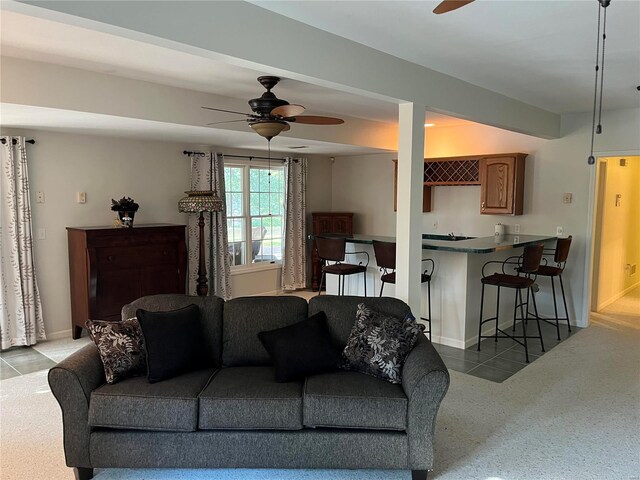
237, 252
233, 182
254, 201
254, 179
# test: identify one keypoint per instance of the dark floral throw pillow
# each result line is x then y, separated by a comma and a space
121, 347
379, 344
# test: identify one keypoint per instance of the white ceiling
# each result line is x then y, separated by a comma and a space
540, 52
43, 40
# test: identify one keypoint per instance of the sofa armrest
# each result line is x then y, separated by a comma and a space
72, 382
425, 381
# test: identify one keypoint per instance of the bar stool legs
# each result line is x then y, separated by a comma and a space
564, 301
525, 315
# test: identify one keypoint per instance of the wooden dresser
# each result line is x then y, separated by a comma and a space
327, 222
110, 267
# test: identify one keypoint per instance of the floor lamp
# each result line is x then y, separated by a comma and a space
200, 201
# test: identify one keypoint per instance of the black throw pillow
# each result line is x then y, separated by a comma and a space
301, 349
173, 341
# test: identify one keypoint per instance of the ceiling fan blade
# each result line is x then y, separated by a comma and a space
228, 121
286, 128
227, 111
316, 120
288, 110
449, 5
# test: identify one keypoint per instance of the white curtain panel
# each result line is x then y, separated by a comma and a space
207, 173
21, 321
294, 258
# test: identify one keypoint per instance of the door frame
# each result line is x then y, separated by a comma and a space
591, 227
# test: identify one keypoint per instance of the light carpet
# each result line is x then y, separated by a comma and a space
572, 414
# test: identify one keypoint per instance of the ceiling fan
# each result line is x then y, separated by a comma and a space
272, 115
449, 5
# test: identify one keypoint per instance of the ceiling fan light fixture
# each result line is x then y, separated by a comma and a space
268, 129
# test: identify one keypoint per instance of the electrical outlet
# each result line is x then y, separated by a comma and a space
567, 198
516, 228
435, 225
81, 197
516, 239
559, 230
39, 197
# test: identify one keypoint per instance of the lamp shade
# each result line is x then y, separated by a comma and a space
268, 129
198, 201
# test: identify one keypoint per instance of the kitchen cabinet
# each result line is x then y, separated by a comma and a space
110, 267
502, 184
327, 222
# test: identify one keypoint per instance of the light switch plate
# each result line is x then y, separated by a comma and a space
516, 228
42, 234
567, 198
81, 197
559, 230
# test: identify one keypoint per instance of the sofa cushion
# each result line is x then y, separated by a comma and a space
353, 400
250, 398
304, 348
172, 341
341, 312
210, 317
135, 403
245, 317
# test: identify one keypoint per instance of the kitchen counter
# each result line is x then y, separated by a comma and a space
446, 243
455, 285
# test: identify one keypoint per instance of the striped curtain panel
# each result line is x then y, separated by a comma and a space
207, 173
21, 321
294, 257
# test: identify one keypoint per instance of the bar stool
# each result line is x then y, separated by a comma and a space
527, 265
334, 250
560, 255
386, 259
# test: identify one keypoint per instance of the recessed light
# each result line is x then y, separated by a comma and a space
429, 124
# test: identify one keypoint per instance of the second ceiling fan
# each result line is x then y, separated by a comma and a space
272, 115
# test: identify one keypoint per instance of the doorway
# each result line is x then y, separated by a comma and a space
616, 247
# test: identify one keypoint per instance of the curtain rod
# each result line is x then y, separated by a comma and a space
250, 157
4, 140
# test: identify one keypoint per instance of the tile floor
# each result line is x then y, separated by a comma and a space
24, 360
497, 361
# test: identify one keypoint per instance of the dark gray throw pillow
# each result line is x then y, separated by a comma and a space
304, 348
121, 347
379, 344
173, 341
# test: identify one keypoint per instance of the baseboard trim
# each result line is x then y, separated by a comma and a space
618, 296
59, 335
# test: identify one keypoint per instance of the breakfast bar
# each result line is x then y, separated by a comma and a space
455, 287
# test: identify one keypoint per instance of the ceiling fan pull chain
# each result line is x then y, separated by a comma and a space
591, 160
604, 38
269, 174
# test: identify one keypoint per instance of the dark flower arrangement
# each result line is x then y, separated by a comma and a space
125, 204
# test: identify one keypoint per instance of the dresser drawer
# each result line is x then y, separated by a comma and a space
116, 258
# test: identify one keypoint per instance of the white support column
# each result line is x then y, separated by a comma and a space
409, 215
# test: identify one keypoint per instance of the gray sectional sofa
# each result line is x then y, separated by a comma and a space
232, 414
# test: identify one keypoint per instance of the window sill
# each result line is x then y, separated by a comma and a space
241, 270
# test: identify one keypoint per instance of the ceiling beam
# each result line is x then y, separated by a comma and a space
249, 36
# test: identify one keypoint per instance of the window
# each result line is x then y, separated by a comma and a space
255, 213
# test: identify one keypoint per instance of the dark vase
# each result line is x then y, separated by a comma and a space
126, 218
